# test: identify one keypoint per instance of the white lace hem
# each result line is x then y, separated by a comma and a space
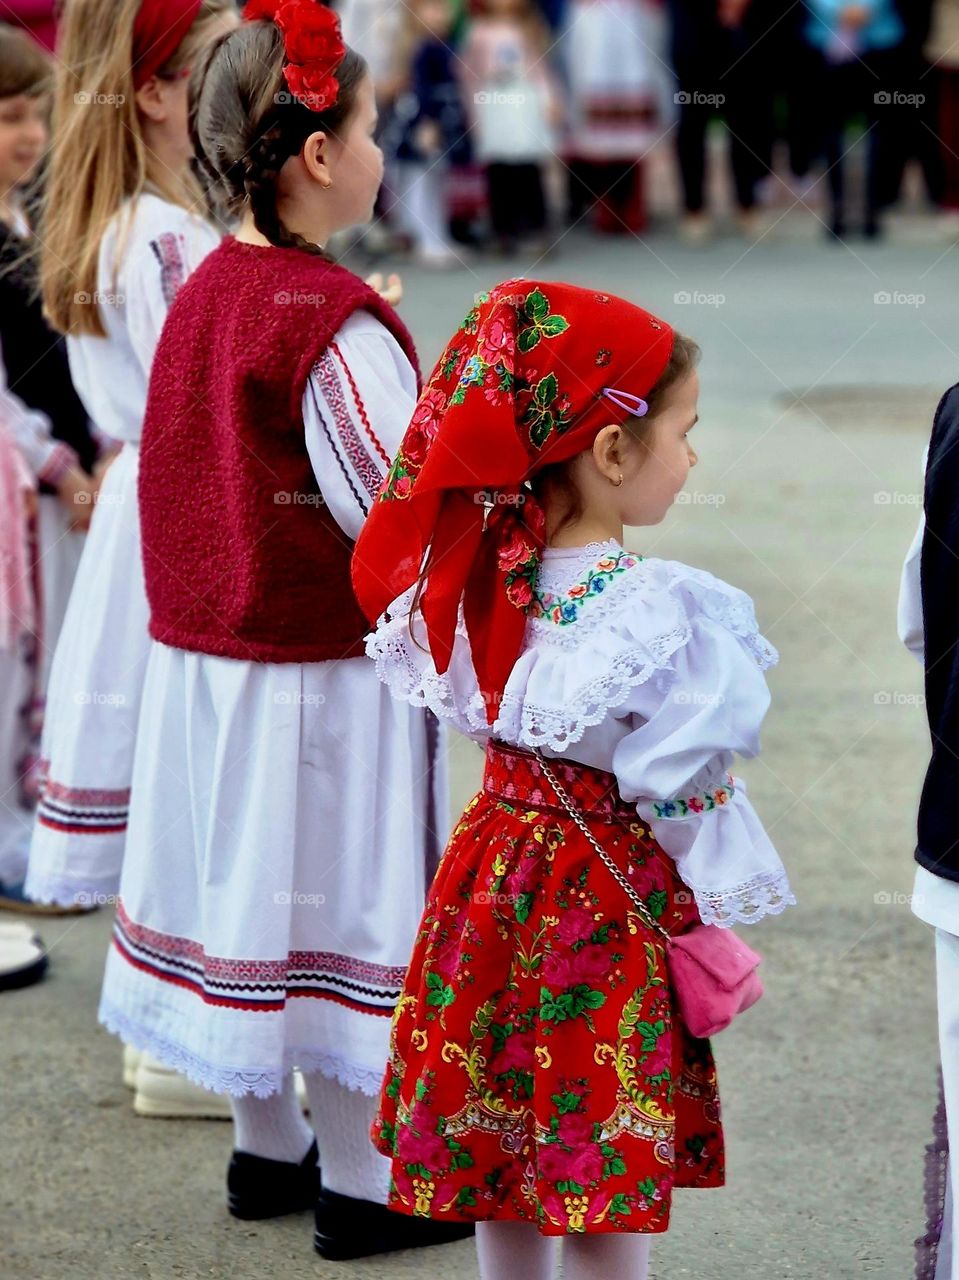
71, 891
236, 1081
768, 894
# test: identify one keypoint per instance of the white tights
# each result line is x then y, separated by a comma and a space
509, 1249
274, 1127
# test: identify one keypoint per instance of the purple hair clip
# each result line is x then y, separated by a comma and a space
626, 400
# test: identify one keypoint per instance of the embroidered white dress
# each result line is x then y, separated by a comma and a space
648, 669
286, 818
93, 699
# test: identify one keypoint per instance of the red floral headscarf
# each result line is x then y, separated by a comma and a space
533, 373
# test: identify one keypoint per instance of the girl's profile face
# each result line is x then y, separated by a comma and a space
23, 137
657, 467
173, 105
356, 162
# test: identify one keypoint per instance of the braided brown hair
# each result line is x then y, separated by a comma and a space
245, 124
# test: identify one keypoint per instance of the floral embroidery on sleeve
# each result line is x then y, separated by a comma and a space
701, 802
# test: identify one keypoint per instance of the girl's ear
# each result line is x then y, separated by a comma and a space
151, 100
315, 158
608, 450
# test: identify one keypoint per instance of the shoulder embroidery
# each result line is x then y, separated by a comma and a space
565, 609
168, 251
362, 462
360, 406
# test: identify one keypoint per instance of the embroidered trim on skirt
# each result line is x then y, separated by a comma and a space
538, 1071
284, 819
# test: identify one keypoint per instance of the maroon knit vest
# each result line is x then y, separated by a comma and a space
242, 559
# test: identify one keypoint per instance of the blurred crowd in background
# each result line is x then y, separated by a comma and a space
505, 121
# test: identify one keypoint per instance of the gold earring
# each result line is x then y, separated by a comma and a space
618, 482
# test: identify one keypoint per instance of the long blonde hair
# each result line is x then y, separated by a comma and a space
99, 158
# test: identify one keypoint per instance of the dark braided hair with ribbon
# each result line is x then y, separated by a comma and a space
245, 123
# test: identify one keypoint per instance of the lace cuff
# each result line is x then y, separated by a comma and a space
764, 895
725, 857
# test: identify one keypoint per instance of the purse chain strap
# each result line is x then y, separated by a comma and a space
580, 822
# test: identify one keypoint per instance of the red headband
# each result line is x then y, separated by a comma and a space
158, 31
314, 47
535, 371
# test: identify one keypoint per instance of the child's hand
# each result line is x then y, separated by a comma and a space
103, 465
555, 112
394, 287
76, 492
427, 137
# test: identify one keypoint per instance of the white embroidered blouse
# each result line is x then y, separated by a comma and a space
648, 669
148, 250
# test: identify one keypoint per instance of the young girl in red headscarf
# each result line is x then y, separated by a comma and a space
541, 1082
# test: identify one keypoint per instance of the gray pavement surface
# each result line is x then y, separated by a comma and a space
829, 1084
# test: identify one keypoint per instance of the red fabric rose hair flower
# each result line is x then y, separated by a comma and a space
314, 47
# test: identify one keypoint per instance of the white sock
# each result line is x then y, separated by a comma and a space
342, 1119
596, 1257
508, 1249
272, 1127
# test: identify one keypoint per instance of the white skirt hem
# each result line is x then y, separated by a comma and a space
70, 891
236, 1082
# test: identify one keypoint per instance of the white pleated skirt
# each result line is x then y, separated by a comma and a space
92, 706
285, 823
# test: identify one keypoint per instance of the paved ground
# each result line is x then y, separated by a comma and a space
829, 1083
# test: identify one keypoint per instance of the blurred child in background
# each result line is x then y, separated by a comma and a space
859, 75
610, 66
514, 106
429, 134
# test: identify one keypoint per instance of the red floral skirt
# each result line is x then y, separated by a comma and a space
537, 1068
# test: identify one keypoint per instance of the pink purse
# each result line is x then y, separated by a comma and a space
712, 972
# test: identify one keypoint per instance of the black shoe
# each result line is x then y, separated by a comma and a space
260, 1188
349, 1228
